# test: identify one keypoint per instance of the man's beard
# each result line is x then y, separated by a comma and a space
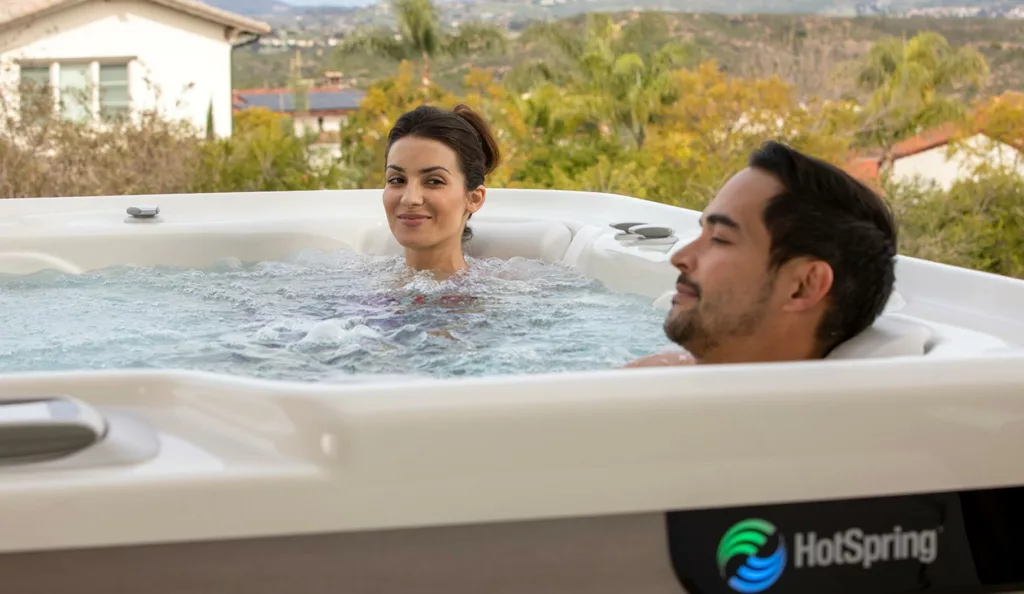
702, 331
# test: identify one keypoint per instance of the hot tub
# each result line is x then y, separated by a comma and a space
886, 468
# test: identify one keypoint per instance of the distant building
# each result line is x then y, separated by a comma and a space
928, 157
325, 110
117, 57
333, 78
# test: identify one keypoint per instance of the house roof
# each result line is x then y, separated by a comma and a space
15, 11
320, 99
927, 140
867, 167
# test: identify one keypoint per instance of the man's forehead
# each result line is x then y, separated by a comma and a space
741, 201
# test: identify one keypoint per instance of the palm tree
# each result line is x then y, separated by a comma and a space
298, 85
617, 77
915, 84
420, 37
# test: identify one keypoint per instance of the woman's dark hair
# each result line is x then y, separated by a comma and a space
463, 131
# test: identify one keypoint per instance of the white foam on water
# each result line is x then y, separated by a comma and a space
324, 316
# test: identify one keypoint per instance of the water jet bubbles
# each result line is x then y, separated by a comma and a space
324, 316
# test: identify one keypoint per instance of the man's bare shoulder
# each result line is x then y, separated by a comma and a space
665, 359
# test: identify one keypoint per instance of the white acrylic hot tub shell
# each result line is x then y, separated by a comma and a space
196, 230
245, 458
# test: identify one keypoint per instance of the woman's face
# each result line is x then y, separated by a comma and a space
425, 195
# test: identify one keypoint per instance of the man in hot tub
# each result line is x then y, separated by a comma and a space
795, 257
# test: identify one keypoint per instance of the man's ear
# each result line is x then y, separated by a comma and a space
475, 199
809, 281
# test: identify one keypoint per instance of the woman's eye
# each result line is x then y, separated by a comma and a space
435, 182
395, 180
718, 240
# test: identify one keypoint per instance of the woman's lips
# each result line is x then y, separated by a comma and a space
413, 220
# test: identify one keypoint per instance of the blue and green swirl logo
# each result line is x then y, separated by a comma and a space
759, 563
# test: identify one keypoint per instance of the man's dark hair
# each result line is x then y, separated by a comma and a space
825, 213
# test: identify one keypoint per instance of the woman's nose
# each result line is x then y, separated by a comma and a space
412, 196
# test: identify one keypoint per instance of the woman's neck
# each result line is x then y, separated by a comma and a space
442, 262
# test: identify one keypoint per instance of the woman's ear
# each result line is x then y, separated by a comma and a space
475, 199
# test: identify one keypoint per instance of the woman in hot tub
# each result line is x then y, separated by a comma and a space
436, 163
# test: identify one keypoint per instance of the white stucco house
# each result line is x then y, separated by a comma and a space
321, 115
103, 58
945, 165
941, 156
325, 110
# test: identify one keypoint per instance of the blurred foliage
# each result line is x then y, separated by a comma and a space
45, 155
802, 48
916, 84
978, 223
612, 109
264, 154
420, 37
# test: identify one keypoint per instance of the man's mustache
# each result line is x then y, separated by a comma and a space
686, 282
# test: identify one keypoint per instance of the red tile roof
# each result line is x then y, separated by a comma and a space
939, 136
867, 166
866, 169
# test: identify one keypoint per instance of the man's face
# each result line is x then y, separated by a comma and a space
725, 290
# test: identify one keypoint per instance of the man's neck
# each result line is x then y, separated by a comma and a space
751, 352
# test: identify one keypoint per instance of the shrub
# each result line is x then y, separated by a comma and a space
44, 155
978, 223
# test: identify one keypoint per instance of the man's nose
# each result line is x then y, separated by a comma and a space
685, 258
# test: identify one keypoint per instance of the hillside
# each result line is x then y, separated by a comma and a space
253, 7
285, 11
804, 49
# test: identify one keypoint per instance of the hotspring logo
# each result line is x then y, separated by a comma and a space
752, 554
761, 564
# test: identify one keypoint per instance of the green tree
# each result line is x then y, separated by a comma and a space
1002, 118
297, 85
421, 37
620, 83
363, 137
718, 119
263, 155
211, 131
978, 223
915, 84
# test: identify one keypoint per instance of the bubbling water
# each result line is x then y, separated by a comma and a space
324, 317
